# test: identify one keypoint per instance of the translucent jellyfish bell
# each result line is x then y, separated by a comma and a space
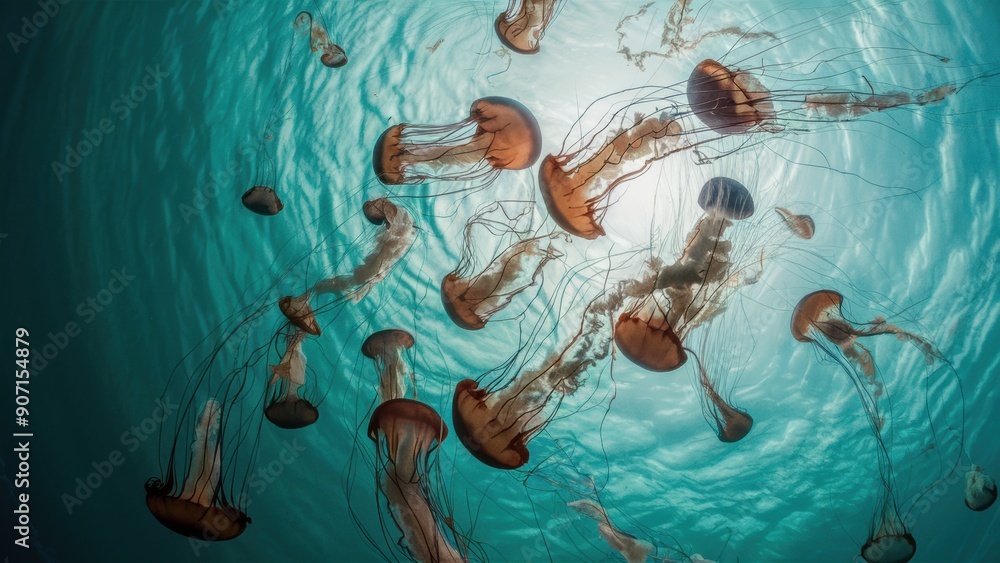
980, 489
386, 348
199, 510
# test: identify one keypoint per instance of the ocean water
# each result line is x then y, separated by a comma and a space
133, 265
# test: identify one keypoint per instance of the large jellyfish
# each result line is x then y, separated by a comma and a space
522, 26
500, 134
286, 407
633, 549
333, 55
690, 291
406, 433
200, 509
386, 348
472, 296
391, 244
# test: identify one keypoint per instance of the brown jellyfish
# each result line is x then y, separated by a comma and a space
470, 298
386, 348
980, 489
890, 543
633, 549
731, 424
286, 407
801, 226
576, 185
333, 55
496, 423
406, 432
200, 508
522, 26
262, 200
690, 291
391, 244
500, 134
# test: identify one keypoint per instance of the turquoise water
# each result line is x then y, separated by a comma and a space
128, 258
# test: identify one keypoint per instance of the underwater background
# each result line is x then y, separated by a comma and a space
144, 247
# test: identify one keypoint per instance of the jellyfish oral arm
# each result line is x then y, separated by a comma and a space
206, 458
415, 518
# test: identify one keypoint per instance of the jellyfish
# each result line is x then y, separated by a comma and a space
522, 26
692, 290
500, 134
286, 408
496, 423
333, 55
801, 226
472, 298
890, 543
200, 509
391, 244
406, 433
980, 489
576, 185
732, 424
630, 547
262, 200
386, 348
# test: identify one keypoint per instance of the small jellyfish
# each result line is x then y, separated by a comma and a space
980, 489
731, 424
471, 298
522, 26
200, 509
500, 134
891, 543
690, 291
633, 549
391, 244
801, 226
286, 407
333, 55
406, 432
386, 348
496, 423
262, 200
576, 185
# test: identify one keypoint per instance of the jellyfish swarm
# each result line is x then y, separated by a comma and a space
496, 423
406, 433
577, 184
286, 408
980, 489
200, 509
471, 298
801, 226
522, 26
319, 41
391, 244
386, 348
690, 291
630, 547
500, 134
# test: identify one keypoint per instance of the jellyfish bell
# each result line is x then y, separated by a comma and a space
333, 56
801, 226
500, 134
386, 348
479, 430
199, 510
644, 335
889, 548
411, 429
300, 313
729, 101
286, 407
980, 489
262, 200
727, 198
522, 26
